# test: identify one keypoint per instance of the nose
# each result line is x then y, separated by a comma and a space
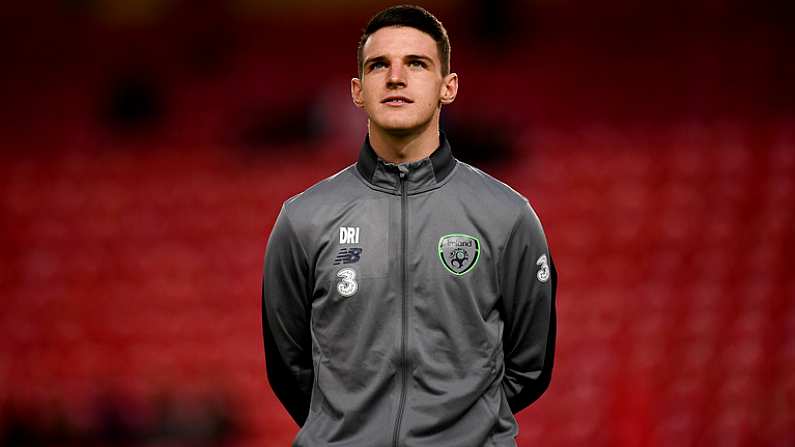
396, 76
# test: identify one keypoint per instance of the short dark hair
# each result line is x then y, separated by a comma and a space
412, 16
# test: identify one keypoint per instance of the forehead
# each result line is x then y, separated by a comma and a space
398, 41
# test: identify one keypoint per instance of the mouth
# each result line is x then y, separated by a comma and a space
396, 100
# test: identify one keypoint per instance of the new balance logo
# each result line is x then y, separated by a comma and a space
349, 235
348, 256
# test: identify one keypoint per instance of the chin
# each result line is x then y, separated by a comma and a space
399, 125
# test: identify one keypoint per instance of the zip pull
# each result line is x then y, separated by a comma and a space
403, 171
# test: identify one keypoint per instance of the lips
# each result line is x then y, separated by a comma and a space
396, 100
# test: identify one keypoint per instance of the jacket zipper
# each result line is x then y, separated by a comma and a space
403, 319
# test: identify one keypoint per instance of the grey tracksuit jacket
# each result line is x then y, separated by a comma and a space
408, 305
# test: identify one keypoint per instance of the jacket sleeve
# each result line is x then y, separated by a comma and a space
528, 282
286, 306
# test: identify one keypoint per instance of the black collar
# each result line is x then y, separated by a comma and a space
422, 174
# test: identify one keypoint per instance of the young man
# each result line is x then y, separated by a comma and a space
408, 299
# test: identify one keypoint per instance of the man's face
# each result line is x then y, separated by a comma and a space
402, 86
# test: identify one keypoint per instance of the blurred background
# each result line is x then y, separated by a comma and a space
147, 145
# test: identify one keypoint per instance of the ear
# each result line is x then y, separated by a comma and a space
356, 93
449, 89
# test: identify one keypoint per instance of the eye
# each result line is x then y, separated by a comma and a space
377, 65
417, 63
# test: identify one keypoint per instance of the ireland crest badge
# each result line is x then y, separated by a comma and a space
459, 252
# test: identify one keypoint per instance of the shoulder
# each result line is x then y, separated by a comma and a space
311, 212
507, 208
329, 190
497, 195
506, 212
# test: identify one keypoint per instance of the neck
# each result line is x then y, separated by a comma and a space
404, 147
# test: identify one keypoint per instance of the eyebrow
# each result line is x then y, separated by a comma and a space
374, 59
419, 56
408, 56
